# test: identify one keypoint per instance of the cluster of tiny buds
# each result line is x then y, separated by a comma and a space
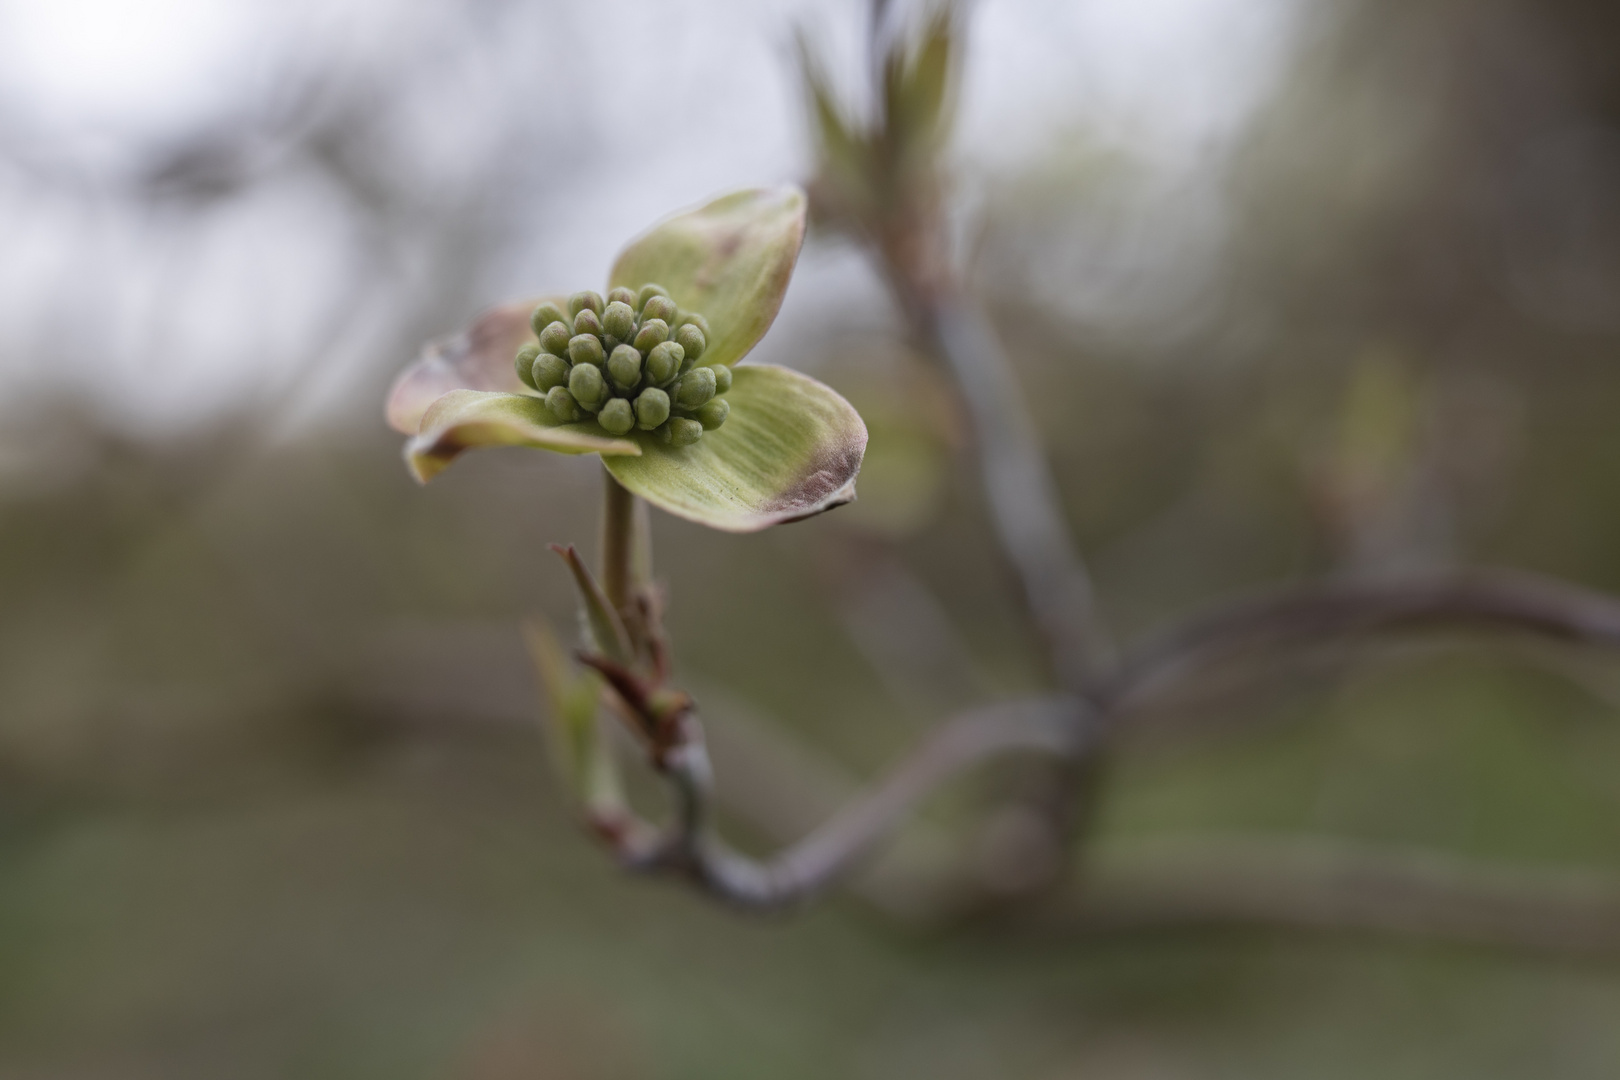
630, 361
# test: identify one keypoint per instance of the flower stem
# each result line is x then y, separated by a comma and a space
618, 542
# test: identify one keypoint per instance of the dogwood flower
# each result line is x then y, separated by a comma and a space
645, 377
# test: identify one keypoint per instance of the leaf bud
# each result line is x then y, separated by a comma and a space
664, 363
617, 417
692, 339
620, 320
684, 432
695, 387
562, 405
589, 300
648, 291
722, 377
713, 413
585, 382
554, 338
622, 295
652, 408
544, 315
585, 349
692, 318
624, 367
659, 307
588, 322
523, 362
549, 371
653, 332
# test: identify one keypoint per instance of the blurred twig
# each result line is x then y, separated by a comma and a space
1308, 614
1398, 894
880, 180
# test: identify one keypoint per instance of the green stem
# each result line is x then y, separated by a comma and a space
618, 542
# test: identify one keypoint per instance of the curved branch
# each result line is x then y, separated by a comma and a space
806, 868
1309, 614
1298, 616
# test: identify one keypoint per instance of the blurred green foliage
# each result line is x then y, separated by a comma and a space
274, 802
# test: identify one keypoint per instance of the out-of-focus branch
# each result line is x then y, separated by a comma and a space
1022, 496
1310, 614
881, 179
1371, 892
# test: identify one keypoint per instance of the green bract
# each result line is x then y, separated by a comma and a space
737, 451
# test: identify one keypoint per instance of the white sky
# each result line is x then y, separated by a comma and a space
88, 86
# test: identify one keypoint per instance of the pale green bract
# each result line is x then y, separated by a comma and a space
789, 447
724, 260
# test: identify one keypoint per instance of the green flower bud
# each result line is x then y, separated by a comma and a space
545, 315
587, 322
617, 417
585, 349
692, 339
524, 362
722, 377
653, 332
659, 307
648, 291
664, 363
620, 320
624, 367
622, 295
585, 301
684, 432
695, 387
554, 338
562, 405
692, 318
652, 408
549, 371
713, 413
585, 382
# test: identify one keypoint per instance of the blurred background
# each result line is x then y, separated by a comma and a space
1296, 287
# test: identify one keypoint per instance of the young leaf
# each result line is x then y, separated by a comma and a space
464, 419
790, 449
582, 755
923, 92
843, 149
607, 628
729, 260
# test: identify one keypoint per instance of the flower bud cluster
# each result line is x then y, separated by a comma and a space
629, 361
